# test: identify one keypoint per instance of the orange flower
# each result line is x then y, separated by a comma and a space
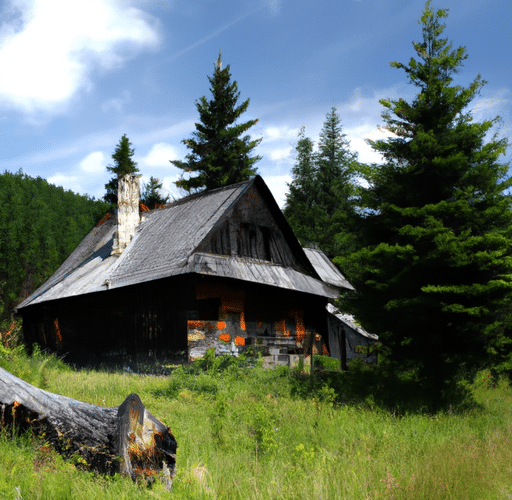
226, 337
240, 340
221, 325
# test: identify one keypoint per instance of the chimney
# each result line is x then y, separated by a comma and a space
128, 218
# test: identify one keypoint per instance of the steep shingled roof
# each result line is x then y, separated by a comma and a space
326, 269
165, 244
166, 238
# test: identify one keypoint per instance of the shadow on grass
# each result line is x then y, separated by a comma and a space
138, 364
380, 386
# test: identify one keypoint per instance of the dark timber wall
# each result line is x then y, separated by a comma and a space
150, 319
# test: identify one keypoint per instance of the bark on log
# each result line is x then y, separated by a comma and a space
126, 439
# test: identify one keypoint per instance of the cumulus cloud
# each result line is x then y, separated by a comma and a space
94, 163
281, 154
69, 182
358, 142
280, 133
159, 156
49, 47
361, 117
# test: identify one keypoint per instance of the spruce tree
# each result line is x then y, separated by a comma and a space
151, 193
335, 163
301, 208
337, 186
323, 196
220, 153
123, 164
433, 279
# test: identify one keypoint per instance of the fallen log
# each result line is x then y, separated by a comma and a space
127, 439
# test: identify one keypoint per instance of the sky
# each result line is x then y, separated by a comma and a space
77, 75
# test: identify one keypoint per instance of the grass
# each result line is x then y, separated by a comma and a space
245, 433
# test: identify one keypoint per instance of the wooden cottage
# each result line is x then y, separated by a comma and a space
220, 268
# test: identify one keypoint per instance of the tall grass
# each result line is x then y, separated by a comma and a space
245, 433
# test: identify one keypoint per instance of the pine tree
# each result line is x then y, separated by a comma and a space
219, 155
151, 193
323, 196
337, 172
301, 208
123, 164
335, 163
434, 277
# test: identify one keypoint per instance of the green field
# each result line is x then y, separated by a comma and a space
245, 433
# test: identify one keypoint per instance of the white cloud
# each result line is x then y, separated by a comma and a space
361, 117
94, 163
281, 154
280, 133
159, 156
169, 188
490, 104
278, 187
48, 50
69, 182
358, 138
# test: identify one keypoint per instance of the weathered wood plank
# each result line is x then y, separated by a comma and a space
126, 439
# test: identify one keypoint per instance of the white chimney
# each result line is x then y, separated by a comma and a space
128, 218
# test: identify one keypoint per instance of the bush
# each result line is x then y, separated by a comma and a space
326, 363
225, 362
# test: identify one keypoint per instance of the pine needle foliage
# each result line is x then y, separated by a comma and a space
324, 194
123, 164
433, 277
219, 152
40, 225
301, 207
151, 193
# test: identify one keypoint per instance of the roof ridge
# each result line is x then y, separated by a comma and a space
206, 192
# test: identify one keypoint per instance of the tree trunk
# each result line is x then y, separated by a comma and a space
127, 439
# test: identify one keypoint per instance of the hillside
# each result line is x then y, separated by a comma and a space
40, 224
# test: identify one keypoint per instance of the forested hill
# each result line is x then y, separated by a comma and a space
40, 225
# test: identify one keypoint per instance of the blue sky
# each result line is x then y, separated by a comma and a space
77, 75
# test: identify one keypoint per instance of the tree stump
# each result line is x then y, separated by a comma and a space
127, 439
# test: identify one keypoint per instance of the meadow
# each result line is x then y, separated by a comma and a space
248, 433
